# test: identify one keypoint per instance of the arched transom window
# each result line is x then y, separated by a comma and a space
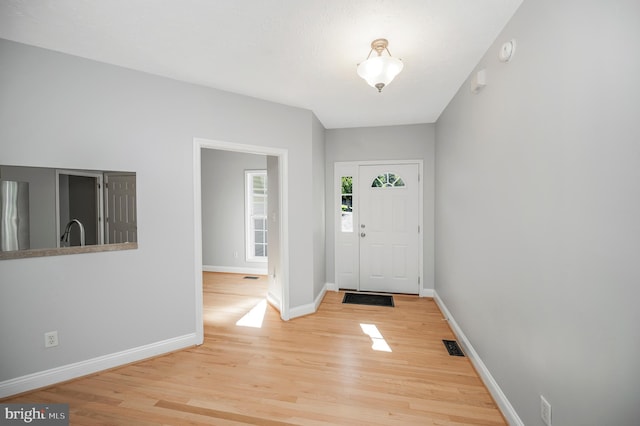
387, 180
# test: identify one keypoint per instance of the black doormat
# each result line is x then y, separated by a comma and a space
368, 299
453, 348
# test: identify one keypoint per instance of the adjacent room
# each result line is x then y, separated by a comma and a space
191, 190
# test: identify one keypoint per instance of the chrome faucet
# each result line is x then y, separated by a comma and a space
67, 231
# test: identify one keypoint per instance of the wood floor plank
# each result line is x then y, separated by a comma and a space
320, 369
217, 414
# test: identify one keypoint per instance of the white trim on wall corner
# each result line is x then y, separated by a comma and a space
309, 308
274, 301
426, 292
235, 270
90, 366
501, 399
331, 287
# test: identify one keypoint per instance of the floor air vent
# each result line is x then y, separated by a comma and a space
250, 278
453, 348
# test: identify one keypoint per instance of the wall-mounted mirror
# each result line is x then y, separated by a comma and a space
45, 210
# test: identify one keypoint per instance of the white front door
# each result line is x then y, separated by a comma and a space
388, 228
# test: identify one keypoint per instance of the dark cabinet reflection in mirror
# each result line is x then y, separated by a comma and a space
68, 211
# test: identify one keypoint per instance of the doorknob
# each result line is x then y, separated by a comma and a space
362, 234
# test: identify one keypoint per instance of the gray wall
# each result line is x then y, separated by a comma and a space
410, 142
537, 212
223, 207
62, 111
318, 219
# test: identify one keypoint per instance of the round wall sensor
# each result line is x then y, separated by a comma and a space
507, 50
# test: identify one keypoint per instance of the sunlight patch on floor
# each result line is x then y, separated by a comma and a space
379, 344
228, 313
254, 317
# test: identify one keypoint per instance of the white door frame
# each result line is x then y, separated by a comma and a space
342, 168
283, 268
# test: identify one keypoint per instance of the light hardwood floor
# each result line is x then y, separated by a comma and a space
315, 370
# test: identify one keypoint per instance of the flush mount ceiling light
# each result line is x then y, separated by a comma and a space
379, 70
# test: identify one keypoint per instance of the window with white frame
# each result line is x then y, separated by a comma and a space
256, 215
347, 204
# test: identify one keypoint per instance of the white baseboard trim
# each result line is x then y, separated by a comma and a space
501, 399
274, 301
320, 296
426, 292
332, 287
309, 308
235, 270
72, 371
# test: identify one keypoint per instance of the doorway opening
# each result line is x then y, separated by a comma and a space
277, 269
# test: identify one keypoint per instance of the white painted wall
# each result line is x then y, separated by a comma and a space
537, 207
61, 111
410, 142
223, 209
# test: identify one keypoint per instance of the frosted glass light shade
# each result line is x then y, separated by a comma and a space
380, 70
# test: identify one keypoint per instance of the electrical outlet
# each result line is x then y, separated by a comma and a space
51, 339
235, 254
545, 411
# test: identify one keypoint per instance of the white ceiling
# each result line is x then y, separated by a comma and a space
302, 53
